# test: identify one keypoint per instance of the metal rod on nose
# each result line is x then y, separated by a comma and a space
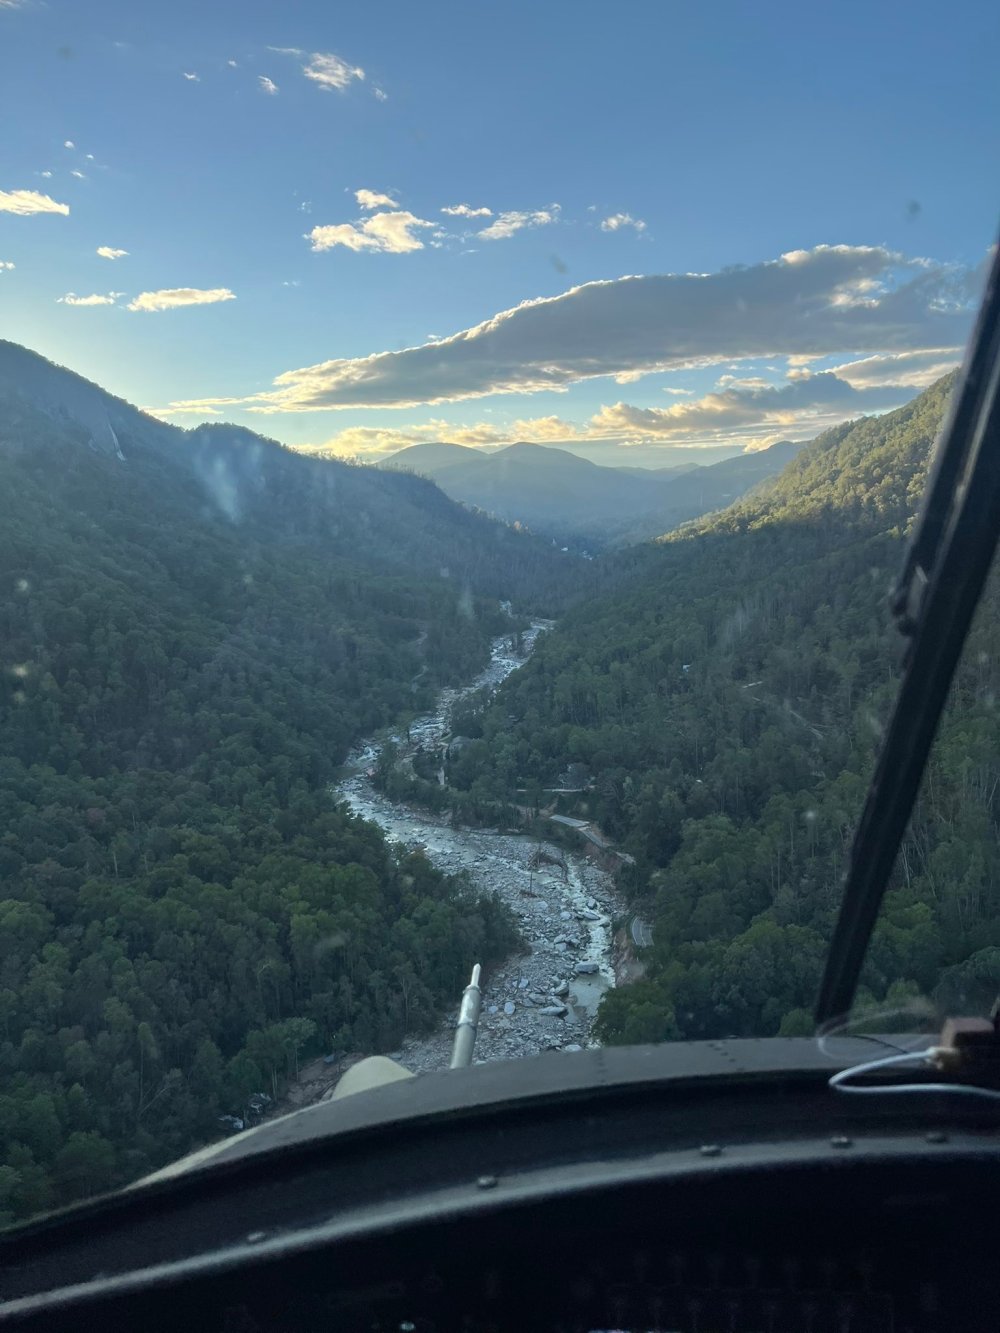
468, 1023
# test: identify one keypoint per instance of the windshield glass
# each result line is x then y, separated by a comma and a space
453, 462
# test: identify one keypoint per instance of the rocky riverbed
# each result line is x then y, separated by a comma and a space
547, 997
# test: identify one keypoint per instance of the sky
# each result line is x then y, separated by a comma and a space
647, 232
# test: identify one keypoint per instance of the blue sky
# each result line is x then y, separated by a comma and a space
736, 223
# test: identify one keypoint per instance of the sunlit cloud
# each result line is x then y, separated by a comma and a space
375, 441
71, 298
171, 298
637, 325
6, 265
109, 252
914, 370
267, 85
618, 220
386, 233
69, 144
26, 202
192, 78
466, 211
508, 224
750, 402
373, 199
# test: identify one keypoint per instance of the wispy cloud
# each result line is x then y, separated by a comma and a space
386, 233
170, 298
328, 71
79, 175
372, 199
71, 298
192, 78
267, 85
507, 224
466, 211
380, 94
6, 265
637, 325
109, 252
618, 220
26, 202
69, 144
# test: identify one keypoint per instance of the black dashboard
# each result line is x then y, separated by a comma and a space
717, 1186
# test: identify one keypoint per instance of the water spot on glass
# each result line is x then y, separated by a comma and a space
22, 585
810, 816
20, 697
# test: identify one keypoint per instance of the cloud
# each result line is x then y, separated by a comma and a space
325, 69
267, 85
618, 220
47, 175
6, 265
26, 202
79, 175
910, 369
386, 233
372, 199
507, 224
380, 94
233, 64
69, 144
742, 404
109, 252
192, 78
96, 299
171, 297
655, 323
465, 211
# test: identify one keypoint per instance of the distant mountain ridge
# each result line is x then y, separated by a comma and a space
555, 492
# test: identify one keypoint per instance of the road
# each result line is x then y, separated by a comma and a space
642, 933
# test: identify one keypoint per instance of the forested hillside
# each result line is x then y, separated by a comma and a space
725, 708
193, 629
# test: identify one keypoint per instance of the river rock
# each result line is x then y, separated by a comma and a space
509, 1006
561, 989
586, 969
555, 1010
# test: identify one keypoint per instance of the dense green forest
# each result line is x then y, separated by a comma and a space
725, 707
195, 626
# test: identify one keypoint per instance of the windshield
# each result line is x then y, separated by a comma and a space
453, 464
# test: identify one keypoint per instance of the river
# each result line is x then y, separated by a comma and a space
545, 998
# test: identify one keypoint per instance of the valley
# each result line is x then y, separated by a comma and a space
546, 996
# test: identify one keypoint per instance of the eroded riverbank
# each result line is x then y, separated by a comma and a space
547, 997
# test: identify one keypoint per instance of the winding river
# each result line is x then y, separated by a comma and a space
547, 997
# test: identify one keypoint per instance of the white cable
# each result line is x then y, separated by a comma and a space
839, 1081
